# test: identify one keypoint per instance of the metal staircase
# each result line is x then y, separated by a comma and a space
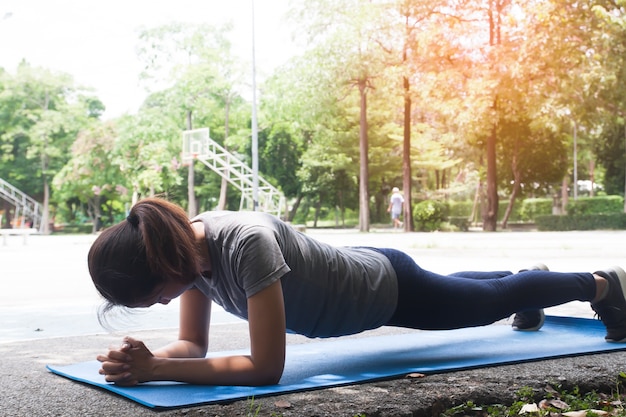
25, 206
197, 144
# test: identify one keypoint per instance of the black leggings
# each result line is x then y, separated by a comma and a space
431, 301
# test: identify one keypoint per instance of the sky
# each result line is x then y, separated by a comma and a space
94, 41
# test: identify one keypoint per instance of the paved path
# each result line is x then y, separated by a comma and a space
45, 286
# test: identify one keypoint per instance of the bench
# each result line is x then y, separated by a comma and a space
16, 232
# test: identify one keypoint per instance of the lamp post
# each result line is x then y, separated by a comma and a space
624, 170
255, 135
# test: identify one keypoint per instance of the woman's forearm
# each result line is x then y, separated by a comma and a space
229, 370
181, 349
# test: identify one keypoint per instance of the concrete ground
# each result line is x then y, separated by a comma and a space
48, 316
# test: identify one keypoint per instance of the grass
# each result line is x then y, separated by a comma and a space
552, 402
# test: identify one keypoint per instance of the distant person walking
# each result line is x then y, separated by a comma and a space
395, 207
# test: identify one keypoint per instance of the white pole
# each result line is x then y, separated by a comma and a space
255, 137
575, 162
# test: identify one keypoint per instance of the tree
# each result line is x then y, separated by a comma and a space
89, 176
196, 61
345, 37
610, 94
147, 153
47, 111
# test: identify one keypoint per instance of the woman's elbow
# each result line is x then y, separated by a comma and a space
196, 349
269, 376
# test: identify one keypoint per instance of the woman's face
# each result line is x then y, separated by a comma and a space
164, 293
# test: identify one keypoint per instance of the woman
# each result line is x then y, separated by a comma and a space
262, 270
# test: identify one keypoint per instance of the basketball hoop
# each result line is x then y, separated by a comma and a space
195, 143
189, 158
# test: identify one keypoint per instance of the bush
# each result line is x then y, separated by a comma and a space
523, 210
596, 205
73, 229
533, 207
461, 223
428, 215
460, 208
606, 221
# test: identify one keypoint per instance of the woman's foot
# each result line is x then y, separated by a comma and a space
528, 321
612, 308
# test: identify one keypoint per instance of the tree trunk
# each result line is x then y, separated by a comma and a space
625, 170
364, 210
592, 177
6, 218
95, 214
292, 213
318, 207
477, 198
45, 213
490, 216
45, 210
406, 154
564, 195
517, 176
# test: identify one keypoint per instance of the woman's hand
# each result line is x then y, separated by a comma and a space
130, 364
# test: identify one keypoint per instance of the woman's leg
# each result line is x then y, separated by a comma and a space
431, 301
525, 320
480, 274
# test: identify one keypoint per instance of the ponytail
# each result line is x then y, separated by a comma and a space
129, 261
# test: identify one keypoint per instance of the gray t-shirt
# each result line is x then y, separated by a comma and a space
328, 291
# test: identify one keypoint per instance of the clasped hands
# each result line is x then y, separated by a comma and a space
129, 365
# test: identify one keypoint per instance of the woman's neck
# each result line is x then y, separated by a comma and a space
203, 249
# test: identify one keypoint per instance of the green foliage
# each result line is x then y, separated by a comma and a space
610, 221
280, 156
524, 211
253, 409
41, 113
460, 208
533, 207
429, 215
467, 408
555, 401
527, 91
324, 217
73, 229
88, 179
461, 223
596, 205
609, 148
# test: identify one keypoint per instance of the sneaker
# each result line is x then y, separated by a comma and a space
612, 308
531, 320
528, 321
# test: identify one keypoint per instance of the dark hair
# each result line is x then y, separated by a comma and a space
131, 259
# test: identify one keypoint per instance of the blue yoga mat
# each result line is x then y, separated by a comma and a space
346, 361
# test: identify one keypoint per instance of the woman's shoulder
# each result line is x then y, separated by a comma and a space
237, 223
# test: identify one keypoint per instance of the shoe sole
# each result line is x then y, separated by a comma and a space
539, 325
621, 277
